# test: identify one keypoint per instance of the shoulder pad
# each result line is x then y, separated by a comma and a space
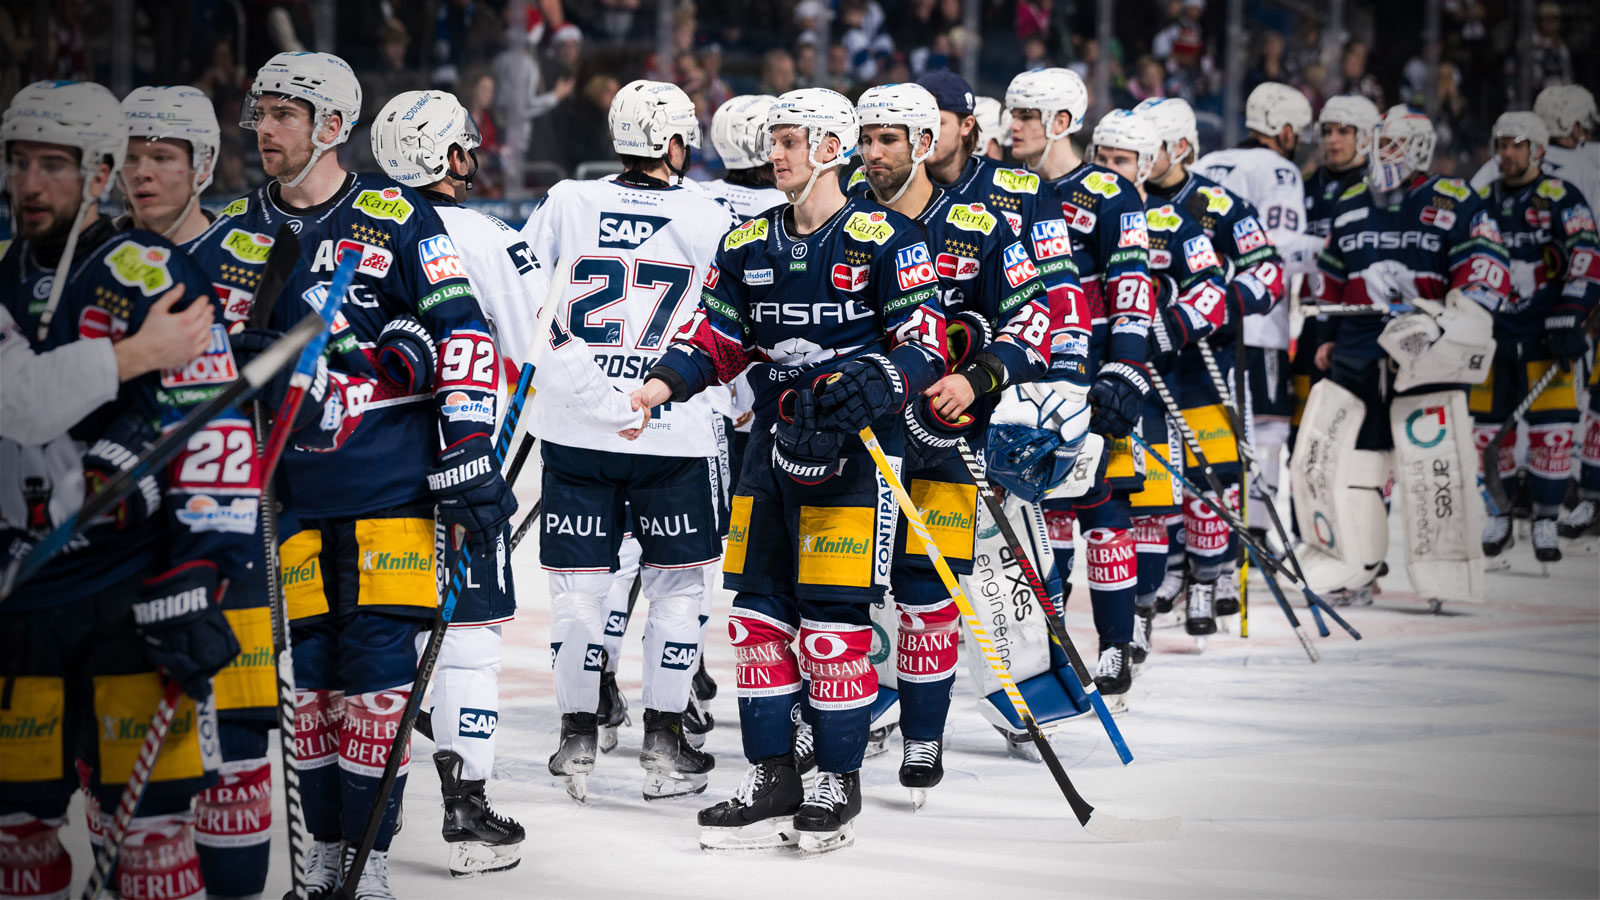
1102, 183
141, 266
385, 203
870, 227
971, 217
1218, 200
1551, 189
1453, 187
753, 230
1354, 190
237, 207
1163, 218
1017, 181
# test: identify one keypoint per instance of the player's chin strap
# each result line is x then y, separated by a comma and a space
916, 162
817, 168
318, 148
682, 173
59, 283
1050, 139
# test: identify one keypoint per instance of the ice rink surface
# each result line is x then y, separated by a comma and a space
1453, 755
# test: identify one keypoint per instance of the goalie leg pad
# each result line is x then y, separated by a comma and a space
1439, 502
925, 657
1339, 502
466, 697
835, 638
762, 630
33, 861
671, 636
159, 861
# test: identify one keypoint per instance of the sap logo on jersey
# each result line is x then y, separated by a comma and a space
914, 267
375, 261
849, 278
1050, 239
439, 259
679, 656
628, 231
956, 267
616, 623
477, 723
594, 658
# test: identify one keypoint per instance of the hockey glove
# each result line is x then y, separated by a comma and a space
1117, 398
967, 334
332, 410
930, 439
800, 448
179, 615
470, 491
860, 392
407, 355
1563, 334
116, 451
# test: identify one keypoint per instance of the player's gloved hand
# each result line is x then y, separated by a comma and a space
331, 410
1117, 397
179, 615
407, 355
115, 452
1166, 339
861, 391
1563, 334
802, 449
248, 343
930, 437
966, 335
470, 491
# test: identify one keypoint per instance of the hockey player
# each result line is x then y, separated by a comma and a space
739, 132
1573, 154
994, 128
1262, 171
358, 543
999, 332
638, 246
1549, 232
1397, 386
833, 303
1098, 345
173, 141
136, 599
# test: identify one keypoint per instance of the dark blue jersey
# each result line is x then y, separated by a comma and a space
1323, 190
1549, 233
1184, 259
1255, 275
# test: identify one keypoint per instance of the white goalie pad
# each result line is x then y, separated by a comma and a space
1436, 489
1449, 343
1338, 493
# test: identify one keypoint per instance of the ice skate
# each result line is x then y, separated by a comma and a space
1170, 590
705, 688
1114, 675
921, 768
1497, 536
697, 722
613, 713
805, 755
1144, 618
673, 768
1202, 619
481, 840
574, 759
374, 881
1582, 520
1225, 601
1361, 596
323, 863
1546, 542
878, 740
824, 820
761, 815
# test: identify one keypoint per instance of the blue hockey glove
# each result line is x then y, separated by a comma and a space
407, 355
1117, 398
930, 439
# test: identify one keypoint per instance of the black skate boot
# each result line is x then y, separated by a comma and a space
824, 819
1202, 616
1114, 675
613, 712
1144, 618
1225, 600
1498, 535
574, 759
1522, 500
672, 767
805, 753
697, 721
1546, 541
481, 840
323, 861
1582, 519
1170, 591
761, 815
921, 767
705, 687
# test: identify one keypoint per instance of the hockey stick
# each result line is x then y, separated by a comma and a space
1053, 615
133, 791
1339, 310
253, 376
1100, 824
527, 523
1241, 392
1489, 457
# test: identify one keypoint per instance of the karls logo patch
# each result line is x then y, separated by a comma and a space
247, 246
627, 231
385, 204
135, 265
753, 230
477, 723
439, 259
1163, 218
873, 227
914, 267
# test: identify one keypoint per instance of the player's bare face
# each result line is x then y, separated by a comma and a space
1027, 134
283, 136
885, 157
1338, 145
950, 139
1122, 162
1514, 158
791, 158
158, 176
46, 188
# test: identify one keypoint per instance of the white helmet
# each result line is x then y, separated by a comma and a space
1411, 138
1050, 91
77, 114
321, 79
646, 115
1521, 126
183, 113
1173, 118
1356, 111
1565, 105
1273, 105
1125, 129
820, 112
739, 131
905, 104
413, 134
994, 124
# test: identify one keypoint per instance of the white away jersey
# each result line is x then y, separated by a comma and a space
1273, 185
511, 285
747, 202
1579, 168
638, 257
